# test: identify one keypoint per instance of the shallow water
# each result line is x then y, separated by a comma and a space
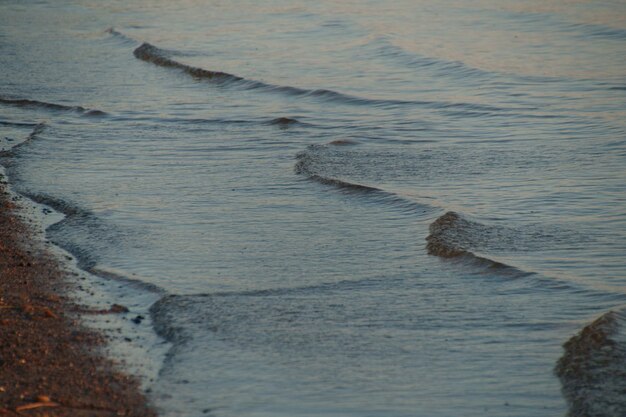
274, 169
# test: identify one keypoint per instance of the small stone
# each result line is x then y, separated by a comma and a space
49, 313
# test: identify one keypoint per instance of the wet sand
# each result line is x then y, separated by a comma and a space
50, 365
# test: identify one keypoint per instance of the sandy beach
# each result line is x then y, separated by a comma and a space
50, 365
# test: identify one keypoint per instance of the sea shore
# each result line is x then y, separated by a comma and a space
50, 363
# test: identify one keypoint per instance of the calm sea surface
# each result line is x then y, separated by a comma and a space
274, 168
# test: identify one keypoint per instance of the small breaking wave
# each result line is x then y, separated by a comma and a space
592, 369
303, 167
160, 57
166, 312
453, 232
344, 185
451, 237
283, 122
343, 142
36, 104
150, 53
306, 165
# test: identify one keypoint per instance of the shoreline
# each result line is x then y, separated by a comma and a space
50, 363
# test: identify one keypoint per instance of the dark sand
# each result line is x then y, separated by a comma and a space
48, 361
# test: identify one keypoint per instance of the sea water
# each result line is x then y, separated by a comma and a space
350, 208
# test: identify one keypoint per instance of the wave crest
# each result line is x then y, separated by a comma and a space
36, 104
283, 122
592, 369
150, 53
310, 163
451, 237
304, 166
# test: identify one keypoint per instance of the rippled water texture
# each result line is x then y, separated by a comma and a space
350, 208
